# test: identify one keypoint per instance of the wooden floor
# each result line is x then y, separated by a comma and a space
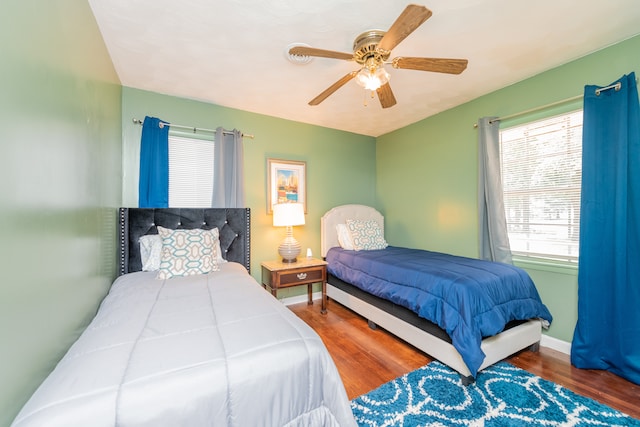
367, 358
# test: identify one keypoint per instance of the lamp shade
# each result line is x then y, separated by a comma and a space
288, 214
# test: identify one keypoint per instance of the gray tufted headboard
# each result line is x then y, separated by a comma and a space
234, 225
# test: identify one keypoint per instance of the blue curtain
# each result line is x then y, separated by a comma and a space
228, 170
492, 222
607, 334
153, 187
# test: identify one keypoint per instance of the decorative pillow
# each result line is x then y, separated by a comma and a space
150, 248
150, 251
344, 237
187, 252
366, 235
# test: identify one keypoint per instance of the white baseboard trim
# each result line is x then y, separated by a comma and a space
545, 341
301, 298
555, 344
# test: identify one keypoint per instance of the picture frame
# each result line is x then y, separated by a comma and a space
286, 183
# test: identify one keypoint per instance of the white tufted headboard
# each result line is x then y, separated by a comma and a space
340, 215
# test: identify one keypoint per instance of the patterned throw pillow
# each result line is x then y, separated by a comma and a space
187, 252
366, 235
151, 251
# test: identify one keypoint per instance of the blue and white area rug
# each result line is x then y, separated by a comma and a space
502, 395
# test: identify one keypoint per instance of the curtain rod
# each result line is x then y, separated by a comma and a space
615, 86
194, 129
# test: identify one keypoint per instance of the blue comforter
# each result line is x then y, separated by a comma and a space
468, 298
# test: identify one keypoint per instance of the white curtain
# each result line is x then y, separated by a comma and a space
228, 171
494, 240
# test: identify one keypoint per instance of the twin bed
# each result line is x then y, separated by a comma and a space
210, 349
472, 313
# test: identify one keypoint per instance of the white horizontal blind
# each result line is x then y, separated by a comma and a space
190, 172
541, 174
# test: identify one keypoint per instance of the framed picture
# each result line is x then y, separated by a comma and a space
286, 183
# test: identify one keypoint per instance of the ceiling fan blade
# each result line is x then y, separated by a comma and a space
385, 94
411, 18
334, 87
438, 65
311, 51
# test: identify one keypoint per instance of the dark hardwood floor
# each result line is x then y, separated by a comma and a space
367, 358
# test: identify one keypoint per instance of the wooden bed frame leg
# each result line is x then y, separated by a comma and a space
372, 325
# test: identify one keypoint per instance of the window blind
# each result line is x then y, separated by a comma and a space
541, 164
190, 172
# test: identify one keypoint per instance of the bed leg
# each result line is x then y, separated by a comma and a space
535, 347
372, 325
466, 380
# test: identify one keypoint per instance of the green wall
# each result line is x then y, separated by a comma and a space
340, 165
60, 181
426, 173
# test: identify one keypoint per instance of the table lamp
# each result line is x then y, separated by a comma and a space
288, 215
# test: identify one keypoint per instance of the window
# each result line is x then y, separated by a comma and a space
190, 172
541, 174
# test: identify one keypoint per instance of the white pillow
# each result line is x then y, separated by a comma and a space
187, 252
366, 235
150, 248
344, 237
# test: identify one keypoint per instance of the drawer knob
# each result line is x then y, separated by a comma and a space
302, 276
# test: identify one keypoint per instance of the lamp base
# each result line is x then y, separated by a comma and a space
289, 249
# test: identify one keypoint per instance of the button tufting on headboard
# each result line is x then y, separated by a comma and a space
234, 225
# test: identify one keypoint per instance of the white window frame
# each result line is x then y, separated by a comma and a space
541, 187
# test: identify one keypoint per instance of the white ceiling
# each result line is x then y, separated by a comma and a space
233, 52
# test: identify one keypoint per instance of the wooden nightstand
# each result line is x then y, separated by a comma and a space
307, 271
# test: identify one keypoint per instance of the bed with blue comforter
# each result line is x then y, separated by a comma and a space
469, 298
466, 313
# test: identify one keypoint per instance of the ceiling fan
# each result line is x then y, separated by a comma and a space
372, 49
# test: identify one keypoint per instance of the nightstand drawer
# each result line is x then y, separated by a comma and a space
309, 275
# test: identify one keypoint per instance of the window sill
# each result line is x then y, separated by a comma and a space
558, 267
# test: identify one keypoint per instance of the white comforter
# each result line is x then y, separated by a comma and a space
211, 350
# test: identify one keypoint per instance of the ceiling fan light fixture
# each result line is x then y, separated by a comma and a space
372, 78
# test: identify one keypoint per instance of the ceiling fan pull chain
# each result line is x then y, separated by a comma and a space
371, 93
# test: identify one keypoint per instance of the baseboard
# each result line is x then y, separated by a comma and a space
315, 296
555, 344
545, 341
